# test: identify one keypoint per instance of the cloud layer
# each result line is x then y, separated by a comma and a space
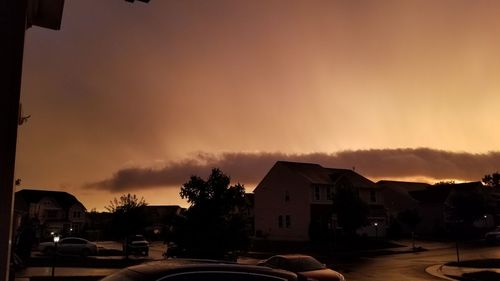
250, 168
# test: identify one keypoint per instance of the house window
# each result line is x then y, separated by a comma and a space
76, 214
328, 193
280, 221
287, 196
288, 221
317, 194
373, 196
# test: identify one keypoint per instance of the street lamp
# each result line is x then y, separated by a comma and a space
376, 229
56, 241
485, 221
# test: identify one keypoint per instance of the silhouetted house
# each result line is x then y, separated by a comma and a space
249, 213
397, 199
293, 195
160, 219
435, 206
55, 211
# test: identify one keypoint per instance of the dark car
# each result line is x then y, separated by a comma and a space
303, 265
136, 245
198, 270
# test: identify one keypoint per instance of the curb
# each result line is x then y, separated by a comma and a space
437, 271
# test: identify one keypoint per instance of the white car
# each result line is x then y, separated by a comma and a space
493, 235
69, 246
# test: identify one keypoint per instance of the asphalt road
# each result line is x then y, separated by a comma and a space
410, 266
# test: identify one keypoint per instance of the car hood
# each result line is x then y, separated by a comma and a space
323, 274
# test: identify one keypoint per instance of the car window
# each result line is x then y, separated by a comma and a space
221, 276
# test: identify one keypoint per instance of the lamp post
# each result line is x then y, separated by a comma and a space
376, 229
56, 240
485, 221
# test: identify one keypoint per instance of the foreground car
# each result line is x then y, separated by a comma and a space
303, 265
69, 246
179, 269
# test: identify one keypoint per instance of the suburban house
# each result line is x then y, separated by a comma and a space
432, 203
293, 195
161, 218
397, 199
52, 211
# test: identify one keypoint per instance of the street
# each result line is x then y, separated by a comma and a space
404, 266
410, 266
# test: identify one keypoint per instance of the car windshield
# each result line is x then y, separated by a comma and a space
301, 264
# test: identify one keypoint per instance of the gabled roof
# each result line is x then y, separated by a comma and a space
439, 193
316, 174
64, 199
431, 195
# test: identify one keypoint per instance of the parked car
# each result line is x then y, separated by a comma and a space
303, 265
198, 270
136, 245
69, 246
494, 235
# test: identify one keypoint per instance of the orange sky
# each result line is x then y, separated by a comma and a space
147, 85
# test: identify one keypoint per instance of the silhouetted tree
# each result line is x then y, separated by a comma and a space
127, 215
214, 224
352, 212
492, 180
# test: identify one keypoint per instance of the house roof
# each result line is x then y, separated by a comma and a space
439, 193
431, 195
64, 199
316, 174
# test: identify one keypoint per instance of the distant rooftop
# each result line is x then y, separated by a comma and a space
64, 199
317, 174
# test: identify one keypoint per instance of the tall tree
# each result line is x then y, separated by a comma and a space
214, 223
128, 215
352, 212
492, 180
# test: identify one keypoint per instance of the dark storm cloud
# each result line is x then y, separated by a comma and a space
250, 168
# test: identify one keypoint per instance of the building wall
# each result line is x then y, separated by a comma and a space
46, 209
271, 202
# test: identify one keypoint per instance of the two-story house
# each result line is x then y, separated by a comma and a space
55, 211
292, 195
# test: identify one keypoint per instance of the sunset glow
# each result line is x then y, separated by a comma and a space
179, 86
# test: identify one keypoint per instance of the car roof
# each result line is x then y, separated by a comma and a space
157, 269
